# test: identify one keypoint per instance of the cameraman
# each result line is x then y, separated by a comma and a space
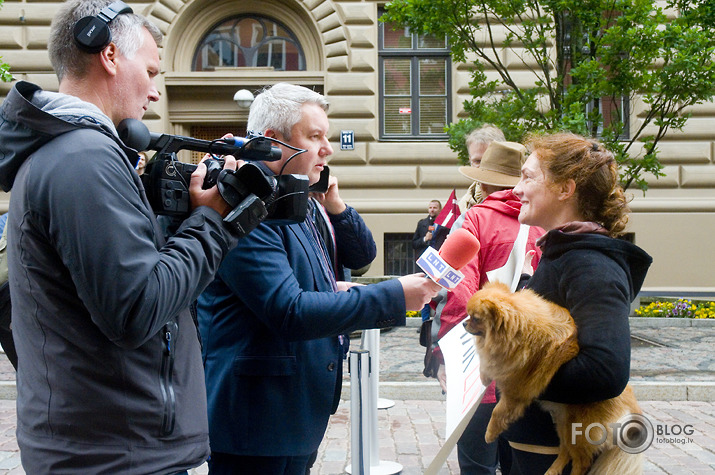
110, 378
271, 321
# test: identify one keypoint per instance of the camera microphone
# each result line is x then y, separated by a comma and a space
254, 194
136, 135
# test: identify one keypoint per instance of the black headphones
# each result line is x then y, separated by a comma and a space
92, 34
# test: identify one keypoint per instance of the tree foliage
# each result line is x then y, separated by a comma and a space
649, 56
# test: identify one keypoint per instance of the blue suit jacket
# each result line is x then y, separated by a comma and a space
269, 324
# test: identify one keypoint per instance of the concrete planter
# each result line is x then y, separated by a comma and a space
660, 322
636, 322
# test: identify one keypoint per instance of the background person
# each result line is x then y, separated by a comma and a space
272, 318
569, 186
422, 239
423, 232
110, 378
494, 222
477, 142
8, 344
141, 163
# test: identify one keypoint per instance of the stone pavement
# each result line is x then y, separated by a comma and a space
672, 372
412, 432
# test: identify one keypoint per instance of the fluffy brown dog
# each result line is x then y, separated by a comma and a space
522, 340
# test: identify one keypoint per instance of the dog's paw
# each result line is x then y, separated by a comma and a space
491, 435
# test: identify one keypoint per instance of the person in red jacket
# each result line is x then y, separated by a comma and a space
494, 222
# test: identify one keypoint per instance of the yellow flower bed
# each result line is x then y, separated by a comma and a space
680, 308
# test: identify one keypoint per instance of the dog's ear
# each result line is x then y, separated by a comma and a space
498, 286
501, 315
483, 313
498, 300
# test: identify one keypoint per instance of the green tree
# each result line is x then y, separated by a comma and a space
4, 67
579, 54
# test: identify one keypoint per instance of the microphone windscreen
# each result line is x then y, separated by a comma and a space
459, 248
134, 134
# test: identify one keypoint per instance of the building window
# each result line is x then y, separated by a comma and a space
414, 84
249, 41
399, 255
614, 111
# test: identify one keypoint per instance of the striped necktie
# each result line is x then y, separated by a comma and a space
319, 246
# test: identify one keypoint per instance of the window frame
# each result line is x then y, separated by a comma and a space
415, 54
249, 53
399, 255
624, 110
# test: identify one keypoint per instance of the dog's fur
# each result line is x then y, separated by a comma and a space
522, 340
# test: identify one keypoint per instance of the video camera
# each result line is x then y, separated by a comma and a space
253, 195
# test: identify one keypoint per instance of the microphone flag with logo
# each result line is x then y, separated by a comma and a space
445, 220
459, 248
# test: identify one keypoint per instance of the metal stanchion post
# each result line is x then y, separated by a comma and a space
370, 341
359, 412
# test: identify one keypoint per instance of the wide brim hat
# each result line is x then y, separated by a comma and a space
500, 165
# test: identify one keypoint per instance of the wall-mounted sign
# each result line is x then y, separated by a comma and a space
347, 140
405, 110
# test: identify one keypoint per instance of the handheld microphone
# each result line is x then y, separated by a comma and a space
458, 249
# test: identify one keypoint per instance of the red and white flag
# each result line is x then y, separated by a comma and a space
449, 213
445, 220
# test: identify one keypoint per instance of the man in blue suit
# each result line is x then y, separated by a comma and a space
271, 320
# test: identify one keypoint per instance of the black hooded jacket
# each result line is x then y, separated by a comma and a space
596, 278
110, 378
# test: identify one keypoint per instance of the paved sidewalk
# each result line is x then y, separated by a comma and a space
411, 433
672, 370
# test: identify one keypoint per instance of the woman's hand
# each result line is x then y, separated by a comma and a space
528, 268
442, 378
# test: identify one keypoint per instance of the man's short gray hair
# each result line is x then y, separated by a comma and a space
486, 134
65, 55
279, 108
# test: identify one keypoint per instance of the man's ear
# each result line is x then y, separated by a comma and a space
108, 57
277, 165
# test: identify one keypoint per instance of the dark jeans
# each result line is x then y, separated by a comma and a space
426, 312
229, 464
475, 456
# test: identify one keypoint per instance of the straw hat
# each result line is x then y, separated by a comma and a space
500, 166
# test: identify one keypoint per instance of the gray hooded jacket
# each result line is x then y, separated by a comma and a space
110, 378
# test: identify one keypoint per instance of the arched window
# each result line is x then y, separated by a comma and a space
249, 41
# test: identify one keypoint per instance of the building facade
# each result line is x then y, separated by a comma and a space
390, 92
